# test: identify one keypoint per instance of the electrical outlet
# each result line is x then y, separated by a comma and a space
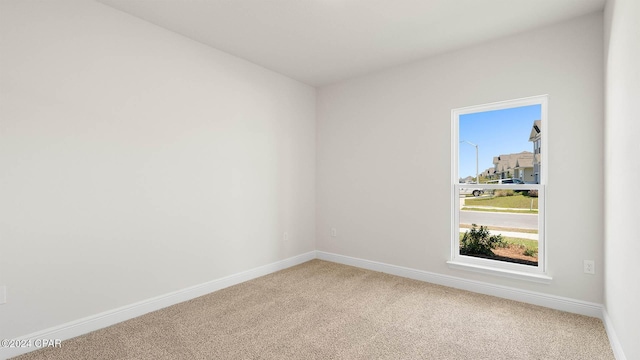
334, 232
3, 294
285, 236
589, 267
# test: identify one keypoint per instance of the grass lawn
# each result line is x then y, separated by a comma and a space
529, 244
517, 201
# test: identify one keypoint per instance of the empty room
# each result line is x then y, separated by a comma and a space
319, 179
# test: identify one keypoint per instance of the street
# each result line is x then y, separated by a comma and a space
485, 218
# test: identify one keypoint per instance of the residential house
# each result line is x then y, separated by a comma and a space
489, 173
535, 138
467, 180
524, 170
517, 165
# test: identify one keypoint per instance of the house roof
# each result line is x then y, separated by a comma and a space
535, 130
505, 162
524, 162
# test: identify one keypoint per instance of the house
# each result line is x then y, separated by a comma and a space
489, 173
467, 180
519, 165
536, 137
140, 166
524, 171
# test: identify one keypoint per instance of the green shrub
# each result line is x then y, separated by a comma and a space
479, 242
507, 192
530, 252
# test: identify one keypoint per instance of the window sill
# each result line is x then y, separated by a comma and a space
519, 275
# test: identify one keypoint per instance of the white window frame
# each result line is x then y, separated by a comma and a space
489, 266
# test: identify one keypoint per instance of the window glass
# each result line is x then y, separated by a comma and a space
498, 195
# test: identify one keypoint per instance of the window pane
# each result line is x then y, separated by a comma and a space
499, 224
500, 144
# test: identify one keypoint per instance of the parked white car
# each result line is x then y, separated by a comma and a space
506, 181
471, 190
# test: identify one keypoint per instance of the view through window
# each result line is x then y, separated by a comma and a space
498, 178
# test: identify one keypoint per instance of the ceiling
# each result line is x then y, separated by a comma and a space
319, 42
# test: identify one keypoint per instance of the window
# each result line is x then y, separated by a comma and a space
498, 211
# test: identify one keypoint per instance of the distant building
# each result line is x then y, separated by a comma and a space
467, 180
535, 137
518, 166
489, 174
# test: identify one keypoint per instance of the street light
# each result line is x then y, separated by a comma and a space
472, 144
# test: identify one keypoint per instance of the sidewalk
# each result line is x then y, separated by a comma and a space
509, 234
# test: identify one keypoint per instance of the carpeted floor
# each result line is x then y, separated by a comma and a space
322, 310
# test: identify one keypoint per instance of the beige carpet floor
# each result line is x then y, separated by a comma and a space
323, 310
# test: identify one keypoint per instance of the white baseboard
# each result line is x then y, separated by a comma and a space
613, 338
111, 317
530, 297
108, 318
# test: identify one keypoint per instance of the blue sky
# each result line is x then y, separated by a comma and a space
495, 132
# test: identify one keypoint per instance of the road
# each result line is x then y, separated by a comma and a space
485, 218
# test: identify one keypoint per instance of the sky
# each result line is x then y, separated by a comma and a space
495, 132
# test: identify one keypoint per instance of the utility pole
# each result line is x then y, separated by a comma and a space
477, 173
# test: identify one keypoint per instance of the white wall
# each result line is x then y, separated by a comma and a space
622, 150
384, 158
136, 162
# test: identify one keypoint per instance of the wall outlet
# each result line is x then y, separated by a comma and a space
334, 232
285, 236
589, 267
3, 294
